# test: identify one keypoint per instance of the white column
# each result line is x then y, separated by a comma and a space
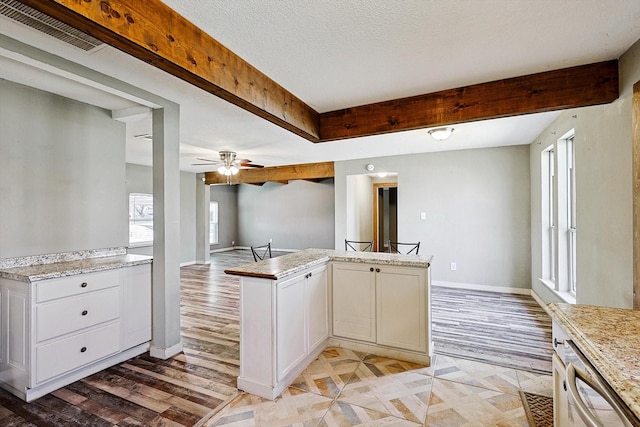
166, 341
203, 197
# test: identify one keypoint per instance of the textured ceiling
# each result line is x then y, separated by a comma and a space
340, 53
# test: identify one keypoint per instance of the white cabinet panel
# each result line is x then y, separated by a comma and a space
77, 350
18, 329
74, 285
354, 301
291, 345
66, 315
135, 316
317, 307
401, 297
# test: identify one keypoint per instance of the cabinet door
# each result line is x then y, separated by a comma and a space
317, 306
291, 343
401, 307
135, 317
354, 301
560, 395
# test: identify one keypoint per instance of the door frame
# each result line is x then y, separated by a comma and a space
636, 194
376, 186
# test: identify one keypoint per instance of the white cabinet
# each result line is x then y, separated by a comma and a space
354, 301
59, 330
401, 307
379, 306
284, 326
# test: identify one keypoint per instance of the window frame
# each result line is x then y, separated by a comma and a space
145, 199
214, 223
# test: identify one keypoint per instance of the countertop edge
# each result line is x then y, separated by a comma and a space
70, 268
272, 270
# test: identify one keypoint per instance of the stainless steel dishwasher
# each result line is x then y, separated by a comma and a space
581, 397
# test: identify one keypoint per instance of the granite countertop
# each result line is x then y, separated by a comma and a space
32, 273
610, 338
286, 265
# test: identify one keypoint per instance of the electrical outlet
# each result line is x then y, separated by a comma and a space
233, 243
423, 215
270, 240
454, 266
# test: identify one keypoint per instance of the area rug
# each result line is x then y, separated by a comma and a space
539, 409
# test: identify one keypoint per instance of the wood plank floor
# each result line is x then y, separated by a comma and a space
182, 390
498, 328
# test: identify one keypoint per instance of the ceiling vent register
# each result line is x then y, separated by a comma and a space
30, 17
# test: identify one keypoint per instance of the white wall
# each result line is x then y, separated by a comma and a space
140, 180
603, 146
359, 209
62, 172
477, 211
297, 215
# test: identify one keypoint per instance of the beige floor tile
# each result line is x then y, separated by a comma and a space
329, 373
535, 383
453, 404
477, 374
294, 408
377, 366
342, 414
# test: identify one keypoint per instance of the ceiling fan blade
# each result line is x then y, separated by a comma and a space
250, 165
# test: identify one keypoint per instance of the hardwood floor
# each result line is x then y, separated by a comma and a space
498, 328
150, 392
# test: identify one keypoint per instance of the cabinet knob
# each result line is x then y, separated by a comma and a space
564, 385
556, 342
310, 274
371, 269
84, 312
84, 284
377, 270
83, 349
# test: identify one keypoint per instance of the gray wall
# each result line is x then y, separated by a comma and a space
603, 146
140, 180
359, 218
298, 215
477, 211
227, 198
62, 172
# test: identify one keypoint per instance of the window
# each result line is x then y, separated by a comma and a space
559, 216
213, 223
571, 211
548, 215
140, 219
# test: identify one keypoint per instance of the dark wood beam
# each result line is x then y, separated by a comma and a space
281, 174
635, 114
573, 87
151, 31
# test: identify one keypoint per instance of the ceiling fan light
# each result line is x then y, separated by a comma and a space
440, 134
222, 169
233, 170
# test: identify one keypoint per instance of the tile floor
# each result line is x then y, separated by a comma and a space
346, 388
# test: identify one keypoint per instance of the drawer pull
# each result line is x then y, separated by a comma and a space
371, 269
84, 312
83, 349
377, 270
83, 285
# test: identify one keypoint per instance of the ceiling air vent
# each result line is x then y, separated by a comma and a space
24, 14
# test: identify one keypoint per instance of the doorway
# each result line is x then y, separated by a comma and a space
385, 215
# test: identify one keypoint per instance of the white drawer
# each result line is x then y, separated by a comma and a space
76, 351
73, 285
66, 315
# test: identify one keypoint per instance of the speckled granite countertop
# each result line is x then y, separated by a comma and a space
32, 273
286, 265
610, 338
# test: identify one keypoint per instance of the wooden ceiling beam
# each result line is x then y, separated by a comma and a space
281, 174
573, 87
151, 31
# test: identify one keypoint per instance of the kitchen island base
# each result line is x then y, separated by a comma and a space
290, 306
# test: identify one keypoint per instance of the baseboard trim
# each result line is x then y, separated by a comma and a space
165, 353
540, 302
184, 264
230, 248
487, 288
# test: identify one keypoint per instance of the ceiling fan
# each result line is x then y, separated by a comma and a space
229, 163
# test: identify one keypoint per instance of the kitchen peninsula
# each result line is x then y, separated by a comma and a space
293, 306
